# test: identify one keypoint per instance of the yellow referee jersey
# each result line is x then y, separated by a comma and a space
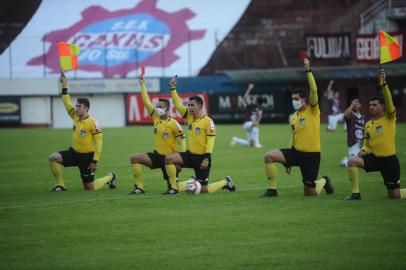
165, 135
306, 124
83, 130
380, 133
199, 131
202, 131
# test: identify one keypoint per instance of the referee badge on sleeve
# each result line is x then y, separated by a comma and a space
212, 126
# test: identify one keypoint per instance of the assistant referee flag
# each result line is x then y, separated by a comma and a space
68, 55
389, 48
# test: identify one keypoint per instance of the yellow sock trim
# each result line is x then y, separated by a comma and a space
217, 185
353, 175
320, 185
182, 186
271, 173
137, 172
171, 171
99, 183
403, 193
57, 172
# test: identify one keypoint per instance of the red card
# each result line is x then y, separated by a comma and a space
303, 55
142, 71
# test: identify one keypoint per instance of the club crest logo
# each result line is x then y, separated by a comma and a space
165, 135
302, 121
379, 129
115, 43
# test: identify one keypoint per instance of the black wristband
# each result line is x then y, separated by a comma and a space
94, 161
207, 156
64, 91
309, 70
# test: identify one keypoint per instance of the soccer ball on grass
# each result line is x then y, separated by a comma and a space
193, 187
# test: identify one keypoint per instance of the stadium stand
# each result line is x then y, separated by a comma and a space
14, 18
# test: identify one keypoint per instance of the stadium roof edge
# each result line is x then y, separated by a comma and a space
322, 73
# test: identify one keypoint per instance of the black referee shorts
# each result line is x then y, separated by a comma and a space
158, 161
309, 163
71, 158
194, 161
389, 168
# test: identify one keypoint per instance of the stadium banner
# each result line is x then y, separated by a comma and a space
118, 37
367, 47
136, 113
10, 110
229, 108
328, 46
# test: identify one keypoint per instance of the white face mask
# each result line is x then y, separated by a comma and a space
160, 111
297, 104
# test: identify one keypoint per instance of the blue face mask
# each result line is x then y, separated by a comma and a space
160, 111
297, 104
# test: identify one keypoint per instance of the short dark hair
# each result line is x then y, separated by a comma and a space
84, 101
379, 99
166, 102
260, 100
302, 93
198, 100
354, 97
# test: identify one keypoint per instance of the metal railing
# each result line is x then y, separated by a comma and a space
373, 11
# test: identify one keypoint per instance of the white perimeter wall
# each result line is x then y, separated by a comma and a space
109, 110
36, 110
41, 103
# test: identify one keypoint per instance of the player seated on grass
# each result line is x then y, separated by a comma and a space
304, 150
202, 134
379, 151
86, 147
167, 135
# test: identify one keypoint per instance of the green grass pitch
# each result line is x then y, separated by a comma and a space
110, 229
